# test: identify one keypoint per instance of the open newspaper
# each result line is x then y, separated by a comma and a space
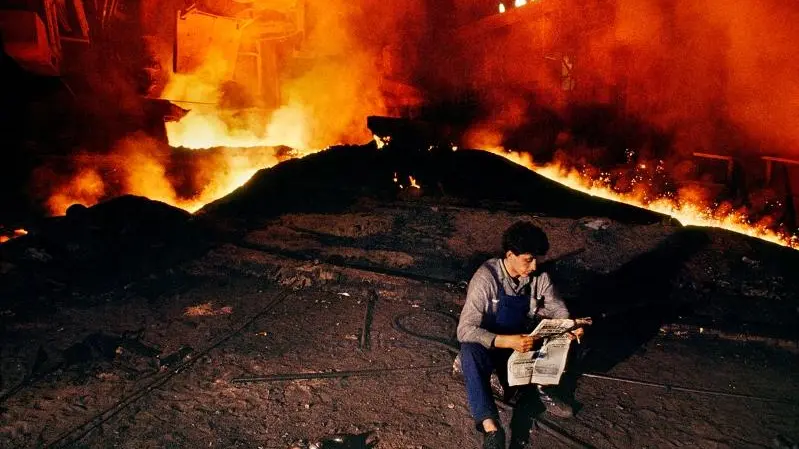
544, 366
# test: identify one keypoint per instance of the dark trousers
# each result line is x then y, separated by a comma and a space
477, 364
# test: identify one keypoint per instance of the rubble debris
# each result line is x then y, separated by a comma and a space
597, 224
751, 262
207, 309
176, 357
135, 357
94, 348
38, 255
366, 440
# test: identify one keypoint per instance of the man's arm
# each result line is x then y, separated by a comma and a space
478, 296
553, 306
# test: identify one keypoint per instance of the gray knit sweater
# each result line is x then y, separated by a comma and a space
482, 299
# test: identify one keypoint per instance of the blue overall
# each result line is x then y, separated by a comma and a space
478, 362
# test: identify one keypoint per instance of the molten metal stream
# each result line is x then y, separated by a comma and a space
686, 212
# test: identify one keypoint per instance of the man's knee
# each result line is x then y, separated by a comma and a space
473, 351
474, 358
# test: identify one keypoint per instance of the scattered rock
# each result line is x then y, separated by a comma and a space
597, 224
38, 255
207, 309
751, 262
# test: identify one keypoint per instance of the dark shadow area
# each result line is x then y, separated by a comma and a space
92, 250
607, 127
628, 307
25, 111
525, 409
537, 133
630, 304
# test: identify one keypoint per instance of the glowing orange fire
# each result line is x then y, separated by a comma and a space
412, 182
684, 208
143, 171
202, 130
15, 234
327, 102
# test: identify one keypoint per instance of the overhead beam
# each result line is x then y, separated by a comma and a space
80, 13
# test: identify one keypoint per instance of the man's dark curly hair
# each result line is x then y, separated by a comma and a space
524, 237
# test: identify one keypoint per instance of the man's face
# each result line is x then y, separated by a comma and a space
520, 264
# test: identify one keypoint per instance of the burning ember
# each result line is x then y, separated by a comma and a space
382, 142
681, 205
412, 183
13, 235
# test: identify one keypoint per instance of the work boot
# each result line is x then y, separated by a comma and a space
555, 406
494, 440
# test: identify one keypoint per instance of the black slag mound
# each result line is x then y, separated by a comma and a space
338, 177
100, 247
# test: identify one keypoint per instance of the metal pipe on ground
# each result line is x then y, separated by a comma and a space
669, 387
367, 320
337, 374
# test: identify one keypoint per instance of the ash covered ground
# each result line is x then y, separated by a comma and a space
126, 324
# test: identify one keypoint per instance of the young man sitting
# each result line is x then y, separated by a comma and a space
505, 299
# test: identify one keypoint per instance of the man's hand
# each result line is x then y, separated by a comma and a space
520, 343
576, 334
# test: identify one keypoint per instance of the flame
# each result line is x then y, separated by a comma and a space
501, 8
86, 188
519, 3
382, 141
413, 182
17, 233
687, 206
140, 166
306, 91
217, 128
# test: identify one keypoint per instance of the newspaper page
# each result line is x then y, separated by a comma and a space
544, 366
